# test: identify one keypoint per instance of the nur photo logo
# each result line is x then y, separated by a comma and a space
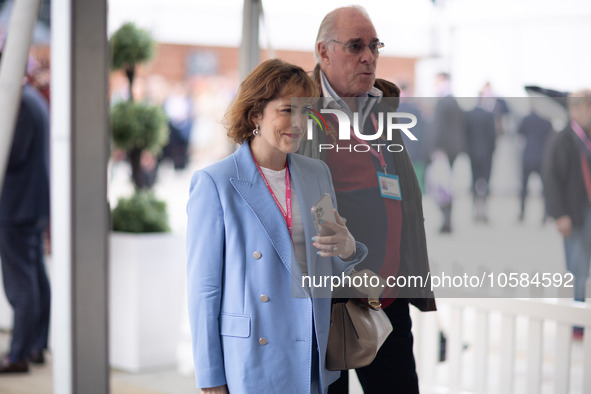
381, 124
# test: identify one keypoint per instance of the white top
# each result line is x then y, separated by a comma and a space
276, 180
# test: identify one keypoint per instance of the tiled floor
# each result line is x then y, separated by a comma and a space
40, 380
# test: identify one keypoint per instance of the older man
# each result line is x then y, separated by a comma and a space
390, 223
567, 189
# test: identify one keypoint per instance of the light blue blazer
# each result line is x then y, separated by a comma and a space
250, 322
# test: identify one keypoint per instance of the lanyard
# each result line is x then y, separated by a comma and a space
286, 215
378, 155
584, 163
581, 134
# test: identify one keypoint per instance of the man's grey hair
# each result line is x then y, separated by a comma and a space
328, 27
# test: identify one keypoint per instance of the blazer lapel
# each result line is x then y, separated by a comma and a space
251, 187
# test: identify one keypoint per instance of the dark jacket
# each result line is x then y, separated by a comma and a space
449, 125
536, 131
413, 251
25, 193
481, 135
564, 187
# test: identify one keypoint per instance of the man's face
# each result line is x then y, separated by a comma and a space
581, 113
350, 74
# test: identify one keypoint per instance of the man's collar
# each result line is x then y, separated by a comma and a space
329, 96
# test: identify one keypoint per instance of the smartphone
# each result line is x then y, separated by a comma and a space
323, 210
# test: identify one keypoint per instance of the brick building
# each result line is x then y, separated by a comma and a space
178, 63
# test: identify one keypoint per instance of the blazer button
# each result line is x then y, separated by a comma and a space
264, 298
257, 255
262, 341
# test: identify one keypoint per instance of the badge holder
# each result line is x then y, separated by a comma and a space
389, 186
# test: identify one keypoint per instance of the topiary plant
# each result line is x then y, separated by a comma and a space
137, 128
131, 46
141, 213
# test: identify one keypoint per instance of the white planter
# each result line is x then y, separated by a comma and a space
147, 287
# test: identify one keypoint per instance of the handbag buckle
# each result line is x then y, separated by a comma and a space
374, 304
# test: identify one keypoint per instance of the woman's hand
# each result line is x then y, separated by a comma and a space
216, 390
341, 243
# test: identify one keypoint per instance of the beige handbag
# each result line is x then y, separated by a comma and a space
357, 332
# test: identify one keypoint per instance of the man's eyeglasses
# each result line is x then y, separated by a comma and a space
356, 48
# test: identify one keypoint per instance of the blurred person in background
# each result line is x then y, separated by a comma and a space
417, 150
567, 189
347, 51
498, 106
179, 110
24, 216
39, 76
449, 133
481, 140
536, 131
251, 238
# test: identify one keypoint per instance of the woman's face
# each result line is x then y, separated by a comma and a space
280, 132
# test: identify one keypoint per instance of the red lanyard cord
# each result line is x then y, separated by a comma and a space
377, 154
586, 174
286, 215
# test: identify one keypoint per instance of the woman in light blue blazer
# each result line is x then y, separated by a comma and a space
250, 239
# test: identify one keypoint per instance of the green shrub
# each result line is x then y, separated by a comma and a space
137, 125
141, 213
130, 46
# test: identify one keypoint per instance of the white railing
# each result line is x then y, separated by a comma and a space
504, 346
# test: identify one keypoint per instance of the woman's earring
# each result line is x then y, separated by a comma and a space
256, 130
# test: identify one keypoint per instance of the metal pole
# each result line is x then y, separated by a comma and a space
12, 71
80, 216
249, 49
90, 210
